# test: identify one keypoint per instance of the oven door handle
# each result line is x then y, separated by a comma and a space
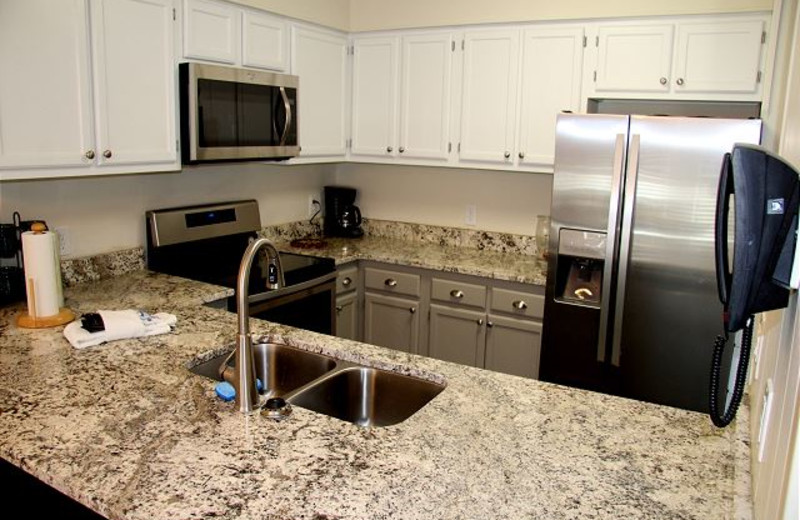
291, 289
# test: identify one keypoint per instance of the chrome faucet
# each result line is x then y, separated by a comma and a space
244, 377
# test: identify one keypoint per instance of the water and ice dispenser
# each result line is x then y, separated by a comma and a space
579, 267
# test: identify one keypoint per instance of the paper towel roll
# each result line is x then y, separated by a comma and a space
41, 274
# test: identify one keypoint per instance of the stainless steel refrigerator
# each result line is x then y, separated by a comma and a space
631, 298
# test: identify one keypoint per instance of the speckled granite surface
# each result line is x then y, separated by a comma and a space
127, 430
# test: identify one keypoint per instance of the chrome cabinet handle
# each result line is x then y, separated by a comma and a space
457, 294
338, 309
390, 282
412, 310
489, 324
288, 109
479, 321
89, 154
107, 154
663, 81
402, 149
520, 305
680, 81
389, 149
346, 281
507, 155
521, 155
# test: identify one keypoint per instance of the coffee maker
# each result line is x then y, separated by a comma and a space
342, 217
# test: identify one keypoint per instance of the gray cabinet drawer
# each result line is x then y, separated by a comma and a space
458, 292
346, 280
518, 303
391, 281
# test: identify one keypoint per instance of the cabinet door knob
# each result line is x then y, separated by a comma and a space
479, 321
389, 149
507, 155
89, 154
520, 305
346, 281
521, 155
390, 282
457, 294
489, 324
412, 310
107, 154
663, 81
402, 149
338, 309
680, 81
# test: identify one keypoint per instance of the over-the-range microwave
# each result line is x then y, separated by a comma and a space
231, 113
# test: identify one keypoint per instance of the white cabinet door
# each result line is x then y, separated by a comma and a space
718, 57
489, 95
265, 41
425, 96
375, 81
45, 94
211, 31
319, 58
134, 81
634, 57
551, 83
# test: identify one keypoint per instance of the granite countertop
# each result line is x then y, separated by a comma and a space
126, 429
515, 267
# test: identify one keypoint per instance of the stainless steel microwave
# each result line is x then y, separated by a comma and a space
236, 114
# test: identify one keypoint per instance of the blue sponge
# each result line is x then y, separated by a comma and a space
227, 392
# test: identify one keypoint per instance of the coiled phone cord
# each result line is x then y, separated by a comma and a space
724, 420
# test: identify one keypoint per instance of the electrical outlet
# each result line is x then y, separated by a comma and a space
471, 215
64, 241
313, 205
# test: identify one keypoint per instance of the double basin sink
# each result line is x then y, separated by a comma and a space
361, 395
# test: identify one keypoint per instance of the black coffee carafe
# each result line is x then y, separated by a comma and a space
342, 216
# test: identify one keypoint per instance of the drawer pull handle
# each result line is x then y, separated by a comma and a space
346, 281
457, 294
479, 321
390, 282
520, 305
412, 310
338, 309
489, 324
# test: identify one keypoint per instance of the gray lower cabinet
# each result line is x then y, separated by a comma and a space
390, 321
457, 335
347, 316
513, 345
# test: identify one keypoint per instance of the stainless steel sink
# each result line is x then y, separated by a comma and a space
350, 392
367, 396
280, 368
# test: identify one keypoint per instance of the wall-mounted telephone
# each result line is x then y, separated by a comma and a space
766, 194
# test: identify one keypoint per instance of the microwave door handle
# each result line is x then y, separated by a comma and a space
288, 108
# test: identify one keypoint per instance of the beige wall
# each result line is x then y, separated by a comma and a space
331, 13
107, 214
367, 15
505, 201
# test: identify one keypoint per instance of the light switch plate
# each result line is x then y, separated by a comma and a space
471, 215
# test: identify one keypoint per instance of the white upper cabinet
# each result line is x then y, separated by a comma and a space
265, 41
634, 57
489, 95
225, 33
45, 90
319, 58
61, 114
714, 58
425, 96
211, 31
134, 63
718, 57
375, 82
552, 60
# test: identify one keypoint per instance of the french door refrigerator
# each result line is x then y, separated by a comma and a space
631, 298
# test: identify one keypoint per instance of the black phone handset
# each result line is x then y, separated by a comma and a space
766, 195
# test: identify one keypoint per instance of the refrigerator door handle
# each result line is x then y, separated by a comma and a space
625, 244
611, 241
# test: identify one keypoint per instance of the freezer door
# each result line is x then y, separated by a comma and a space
667, 310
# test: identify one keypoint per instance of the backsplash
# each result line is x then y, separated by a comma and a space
108, 265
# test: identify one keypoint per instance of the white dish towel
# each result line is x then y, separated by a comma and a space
120, 325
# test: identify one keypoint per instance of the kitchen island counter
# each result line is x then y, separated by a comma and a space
126, 429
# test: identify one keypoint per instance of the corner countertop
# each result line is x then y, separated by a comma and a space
126, 429
516, 267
